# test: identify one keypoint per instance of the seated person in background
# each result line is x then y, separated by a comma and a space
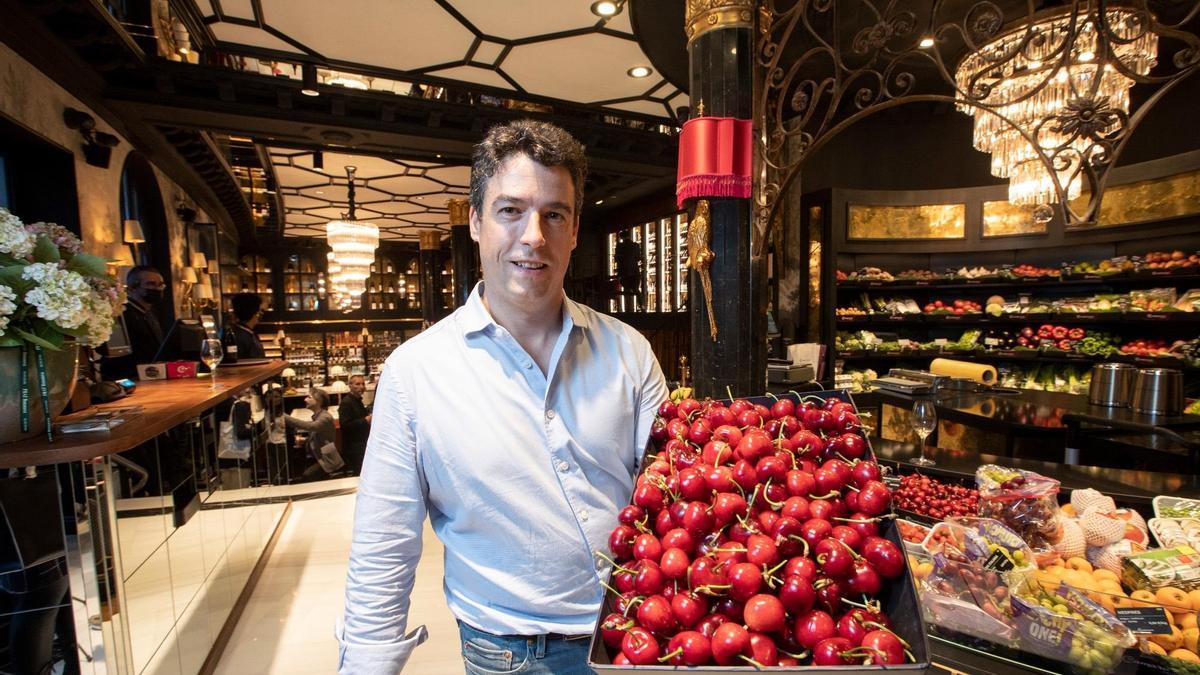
247, 308
320, 430
144, 289
355, 419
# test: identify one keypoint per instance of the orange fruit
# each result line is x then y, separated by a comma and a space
1079, 564
1173, 599
1142, 598
1194, 598
1184, 655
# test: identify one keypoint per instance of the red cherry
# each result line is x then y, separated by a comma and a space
720, 479
727, 506
700, 432
745, 475
834, 558
805, 443
739, 406
654, 614
781, 408
797, 594
813, 627
648, 578
754, 445
719, 416
865, 471
772, 468
647, 547
761, 550
848, 536
884, 647
763, 650
677, 428
729, 640
688, 608
613, 627
850, 626
689, 648
639, 647
658, 430
828, 652
649, 498
800, 483
863, 579
874, 498
696, 519
675, 563
620, 542
884, 556
708, 625
801, 566
667, 409
687, 408
749, 419
678, 538
815, 529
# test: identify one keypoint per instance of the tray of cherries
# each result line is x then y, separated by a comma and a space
759, 535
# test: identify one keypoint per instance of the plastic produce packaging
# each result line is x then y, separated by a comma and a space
1023, 500
1067, 626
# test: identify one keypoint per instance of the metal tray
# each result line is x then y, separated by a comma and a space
899, 600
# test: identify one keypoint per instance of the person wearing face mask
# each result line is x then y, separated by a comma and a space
144, 288
320, 430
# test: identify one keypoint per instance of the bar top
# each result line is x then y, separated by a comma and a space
165, 404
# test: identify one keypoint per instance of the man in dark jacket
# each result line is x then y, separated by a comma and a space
144, 289
247, 308
355, 420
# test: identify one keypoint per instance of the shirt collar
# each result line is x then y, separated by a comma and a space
475, 318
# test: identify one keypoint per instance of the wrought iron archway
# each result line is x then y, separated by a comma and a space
825, 65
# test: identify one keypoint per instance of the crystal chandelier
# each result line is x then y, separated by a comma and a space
1056, 81
352, 246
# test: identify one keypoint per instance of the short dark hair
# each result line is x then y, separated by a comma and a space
319, 396
245, 306
133, 275
543, 142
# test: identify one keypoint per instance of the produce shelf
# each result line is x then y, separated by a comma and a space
1139, 278
1029, 356
1151, 318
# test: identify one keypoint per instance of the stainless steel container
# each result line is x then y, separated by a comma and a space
1158, 391
1112, 385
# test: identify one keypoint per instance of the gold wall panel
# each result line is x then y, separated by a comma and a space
1002, 219
928, 221
1154, 199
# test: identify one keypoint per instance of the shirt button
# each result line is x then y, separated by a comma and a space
564, 467
527, 365
549, 415
583, 515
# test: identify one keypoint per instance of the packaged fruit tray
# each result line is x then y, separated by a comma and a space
819, 599
1171, 532
913, 534
1176, 507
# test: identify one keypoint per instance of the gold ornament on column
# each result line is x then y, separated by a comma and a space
459, 211
701, 16
431, 240
700, 256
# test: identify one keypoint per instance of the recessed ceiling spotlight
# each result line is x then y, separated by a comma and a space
605, 8
926, 42
1087, 56
639, 71
599, 202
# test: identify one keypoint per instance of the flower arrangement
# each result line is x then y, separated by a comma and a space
50, 290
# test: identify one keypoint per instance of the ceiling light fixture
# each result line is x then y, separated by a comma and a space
352, 243
605, 8
926, 43
1049, 103
318, 162
308, 74
639, 71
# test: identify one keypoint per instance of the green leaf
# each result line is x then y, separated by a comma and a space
10, 276
33, 339
7, 340
87, 264
44, 251
49, 332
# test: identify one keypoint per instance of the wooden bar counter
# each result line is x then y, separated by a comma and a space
165, 404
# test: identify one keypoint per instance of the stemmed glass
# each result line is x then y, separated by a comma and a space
211, 354
924, 421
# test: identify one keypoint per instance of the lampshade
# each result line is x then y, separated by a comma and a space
337, 370
288, 372
213, 268
133, 232
202, 292
203, 279
188, 275
199, 261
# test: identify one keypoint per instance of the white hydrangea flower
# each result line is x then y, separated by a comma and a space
14, 238
99, 322
7, 306
59, 295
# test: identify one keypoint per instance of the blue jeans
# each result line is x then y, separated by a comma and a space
487, 654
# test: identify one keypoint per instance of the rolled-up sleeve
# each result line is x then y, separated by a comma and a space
386, 546
653, 393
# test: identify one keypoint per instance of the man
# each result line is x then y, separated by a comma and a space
355, 422
143, 290
517, 424
247, 308
628, 256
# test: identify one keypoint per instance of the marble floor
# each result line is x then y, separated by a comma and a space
287, 626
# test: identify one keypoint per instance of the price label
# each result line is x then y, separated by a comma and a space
954, 317
921, 283
1146, 620
1161, 273
874, 284
998, 562
897, 317
1156, 317
941, 342
972, 282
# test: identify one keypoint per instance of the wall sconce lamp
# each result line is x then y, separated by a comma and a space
133, 233
199, 261
97, 145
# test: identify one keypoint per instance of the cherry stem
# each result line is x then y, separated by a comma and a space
707, 589
640, 525
848, 548
879, 626
851, 486
910, 655
855, 604
729, 390
802, 540
831, 495
773, 396
610, 588
667, 657
774, 505
747, 659
801, 655
616, 565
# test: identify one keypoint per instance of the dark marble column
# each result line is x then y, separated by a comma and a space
463, 250
431, 276
721, 54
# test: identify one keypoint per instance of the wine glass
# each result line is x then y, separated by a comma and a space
924, 421
210, 354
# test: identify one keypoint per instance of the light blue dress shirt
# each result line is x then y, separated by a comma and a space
521, 473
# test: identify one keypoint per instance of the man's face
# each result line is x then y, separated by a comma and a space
526, 231
147, 287
357, 386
